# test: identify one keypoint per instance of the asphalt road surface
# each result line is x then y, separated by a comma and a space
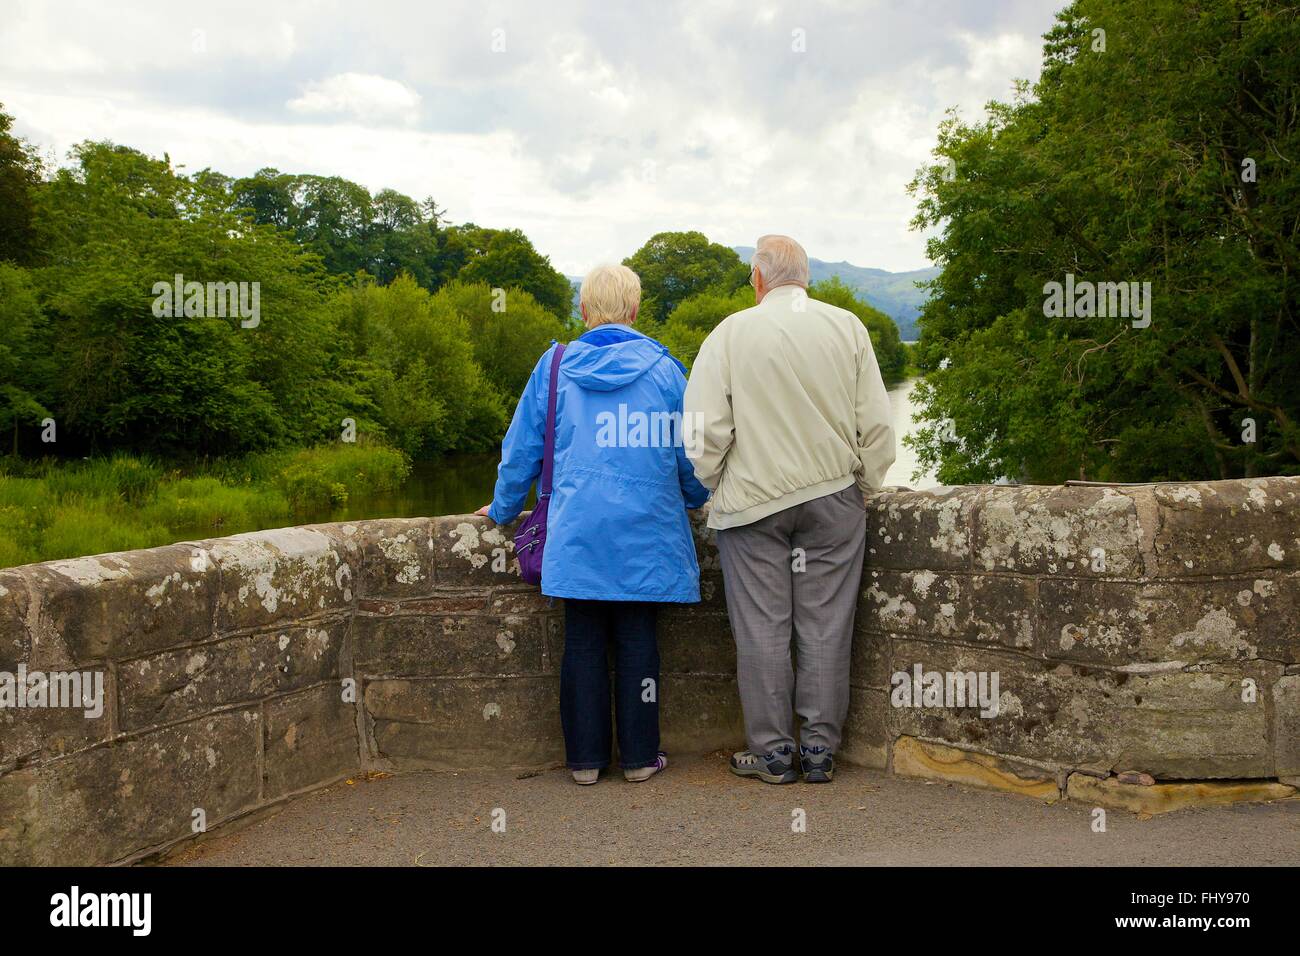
697, 813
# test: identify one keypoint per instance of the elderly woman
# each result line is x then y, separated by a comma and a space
618, 538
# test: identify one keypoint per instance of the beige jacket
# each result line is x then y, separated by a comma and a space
785, 404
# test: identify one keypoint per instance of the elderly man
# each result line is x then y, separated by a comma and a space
792, 425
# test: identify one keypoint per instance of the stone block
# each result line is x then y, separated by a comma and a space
396, 557
311, 739
444, 723
932, 761
114, 606
175, 685
15, 636
113, 801
1286, 729
908, 530
454, 645
283, 575
1172, 723
866, 732
1073, 531
1125, 622
699, 713
1227, 527
470, 551
1166, 797
693, 641
84, 715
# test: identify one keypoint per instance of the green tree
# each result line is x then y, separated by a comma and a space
23, 352
20, 174
134, 373
695, 317
1159, 146
673, 266
506, 259
508, 333
415, 365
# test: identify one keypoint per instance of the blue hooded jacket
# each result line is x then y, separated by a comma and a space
617, 528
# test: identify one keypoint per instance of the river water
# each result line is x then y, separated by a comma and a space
459, 484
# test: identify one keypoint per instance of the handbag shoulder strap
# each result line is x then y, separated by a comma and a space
548, 451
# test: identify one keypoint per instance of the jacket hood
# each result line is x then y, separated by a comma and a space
603, 368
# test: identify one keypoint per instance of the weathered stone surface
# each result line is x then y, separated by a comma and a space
470, 551
1167, 797
15, 637
1139, 658
932, 761
459, 645
869, 663
1227, 527
311, 739
1286, 729
1058, 530
522, 599
175, 685
706, 542
120, 605
866, 734
1127, 622
921, 529
112, 801
30, 732
455, 723
964, 608
286, 574
695, 642
396, 557
699, 713
1178, 724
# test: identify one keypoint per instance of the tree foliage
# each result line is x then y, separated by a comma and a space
1161, 145
673, 266
20, 171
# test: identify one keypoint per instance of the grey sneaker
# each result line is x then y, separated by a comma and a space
818, 764
778, 767
639, 774
585, 778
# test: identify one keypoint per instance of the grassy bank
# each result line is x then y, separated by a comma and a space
51, 509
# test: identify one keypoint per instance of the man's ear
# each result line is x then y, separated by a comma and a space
635, 309
582, 310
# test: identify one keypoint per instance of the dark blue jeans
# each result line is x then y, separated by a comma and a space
589, 626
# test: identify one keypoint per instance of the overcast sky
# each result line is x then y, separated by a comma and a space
590, 125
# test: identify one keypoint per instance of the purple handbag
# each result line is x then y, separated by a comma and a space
530, 539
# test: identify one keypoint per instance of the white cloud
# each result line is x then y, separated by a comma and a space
598, 125
362, 96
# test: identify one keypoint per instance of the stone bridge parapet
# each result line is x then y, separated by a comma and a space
1152, 630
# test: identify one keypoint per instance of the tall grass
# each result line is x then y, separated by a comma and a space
51, 509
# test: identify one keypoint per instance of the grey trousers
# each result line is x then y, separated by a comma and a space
796, 573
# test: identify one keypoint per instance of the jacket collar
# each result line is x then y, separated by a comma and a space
784, 292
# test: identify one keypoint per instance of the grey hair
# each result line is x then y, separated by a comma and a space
611, 294
781, 260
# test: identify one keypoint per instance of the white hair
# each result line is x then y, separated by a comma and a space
610, 294
781, 260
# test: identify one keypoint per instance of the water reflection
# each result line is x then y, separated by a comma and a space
459, 484
900, 397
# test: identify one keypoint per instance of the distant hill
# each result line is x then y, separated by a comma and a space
893, 293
